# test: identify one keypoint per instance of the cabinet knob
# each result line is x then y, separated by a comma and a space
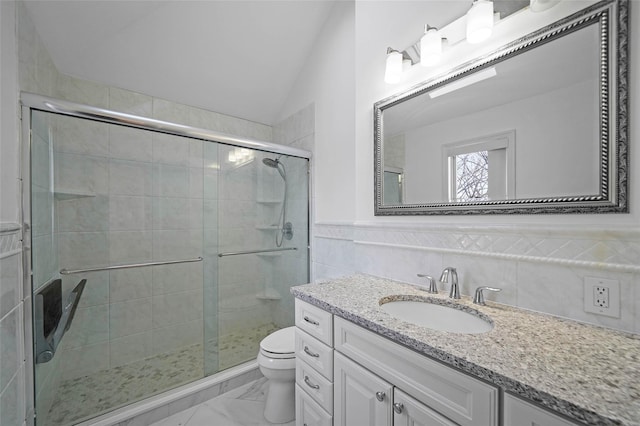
398, 407
380, 396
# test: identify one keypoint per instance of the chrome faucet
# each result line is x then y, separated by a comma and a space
454, 293
432, 284
478, 298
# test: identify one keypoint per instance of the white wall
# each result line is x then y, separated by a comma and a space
327, 79
382, 24
14, 371
9, 112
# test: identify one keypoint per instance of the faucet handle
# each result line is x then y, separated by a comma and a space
432, 283
478, 298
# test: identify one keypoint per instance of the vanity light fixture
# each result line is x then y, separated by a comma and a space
393, 70
479, 21
430, 47
541, 5
464, 82
475, 26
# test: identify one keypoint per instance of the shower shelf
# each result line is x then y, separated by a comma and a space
62, 195
265, 201
268, 294
267, 227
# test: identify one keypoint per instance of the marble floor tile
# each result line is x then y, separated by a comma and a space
240, 407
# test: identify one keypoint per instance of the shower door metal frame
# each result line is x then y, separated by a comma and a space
30, 102
58, 106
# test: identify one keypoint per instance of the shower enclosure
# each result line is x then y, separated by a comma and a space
160, 254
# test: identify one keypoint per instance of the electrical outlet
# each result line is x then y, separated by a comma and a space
602, 296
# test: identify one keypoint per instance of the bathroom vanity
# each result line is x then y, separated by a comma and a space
359, 365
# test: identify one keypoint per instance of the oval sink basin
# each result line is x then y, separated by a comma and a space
437, 317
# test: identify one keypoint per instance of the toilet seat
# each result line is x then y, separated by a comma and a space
279, 344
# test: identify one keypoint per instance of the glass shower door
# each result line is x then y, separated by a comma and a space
107, 200
262, 242
157, 260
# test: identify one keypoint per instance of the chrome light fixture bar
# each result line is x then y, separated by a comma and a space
475, 27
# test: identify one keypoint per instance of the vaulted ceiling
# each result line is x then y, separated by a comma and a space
239, 58
236, 57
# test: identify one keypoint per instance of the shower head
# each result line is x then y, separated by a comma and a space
276, 164
271, 162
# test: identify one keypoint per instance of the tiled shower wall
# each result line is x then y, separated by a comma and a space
538, 268
254, 288
129, 196
12, 368
298, 131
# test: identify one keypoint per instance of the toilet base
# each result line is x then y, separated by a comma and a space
280, 405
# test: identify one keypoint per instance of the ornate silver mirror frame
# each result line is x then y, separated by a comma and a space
612, 18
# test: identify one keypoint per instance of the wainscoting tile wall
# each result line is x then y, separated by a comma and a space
13, 368
541, 268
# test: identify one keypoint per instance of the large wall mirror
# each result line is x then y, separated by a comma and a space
539, 126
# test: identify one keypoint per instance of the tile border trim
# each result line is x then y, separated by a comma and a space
617, 267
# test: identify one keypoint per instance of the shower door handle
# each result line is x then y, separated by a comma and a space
65, 271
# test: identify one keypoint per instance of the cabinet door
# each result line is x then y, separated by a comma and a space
408, 411
360, 397
456, 395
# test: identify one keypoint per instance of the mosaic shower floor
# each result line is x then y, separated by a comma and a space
237, 347
90, 396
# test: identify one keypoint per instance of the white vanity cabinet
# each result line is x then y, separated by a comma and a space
521, 413
360, 397
424, 390
363, 398
408, 411
314, 365
349, 376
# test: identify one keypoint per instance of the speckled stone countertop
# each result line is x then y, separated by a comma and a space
587, 373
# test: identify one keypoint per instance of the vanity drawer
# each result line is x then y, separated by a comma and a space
316, 386
461, 398
315, 353
519, 412
315, 321
308, 412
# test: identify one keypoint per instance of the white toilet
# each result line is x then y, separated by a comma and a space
277, 361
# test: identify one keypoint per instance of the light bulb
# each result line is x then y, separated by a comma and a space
430, 47
393, 69
479, 21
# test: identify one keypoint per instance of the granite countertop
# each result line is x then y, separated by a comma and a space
588, 373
